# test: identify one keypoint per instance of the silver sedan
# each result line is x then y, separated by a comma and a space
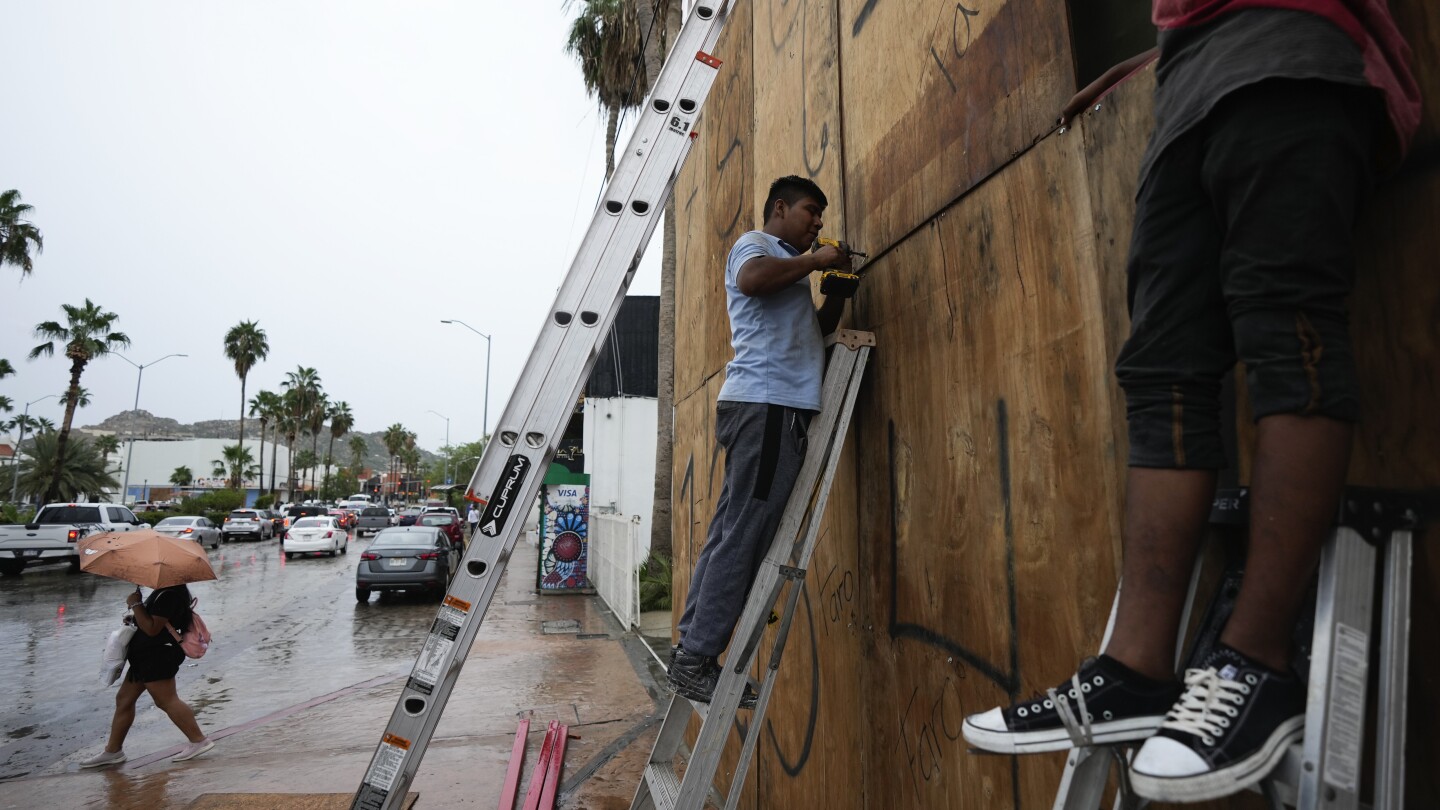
191, 527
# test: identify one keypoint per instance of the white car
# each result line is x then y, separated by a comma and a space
310, 535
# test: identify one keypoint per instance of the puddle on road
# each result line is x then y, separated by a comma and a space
125, 790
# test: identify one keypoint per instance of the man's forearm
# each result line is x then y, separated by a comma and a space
767, 275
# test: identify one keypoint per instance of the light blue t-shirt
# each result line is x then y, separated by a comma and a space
779, 351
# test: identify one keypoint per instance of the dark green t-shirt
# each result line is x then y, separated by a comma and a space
1202, 64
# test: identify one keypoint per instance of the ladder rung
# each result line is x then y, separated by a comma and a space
664, 785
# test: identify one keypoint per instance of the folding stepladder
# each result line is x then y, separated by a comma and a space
783, 570
508, 476
1323, 772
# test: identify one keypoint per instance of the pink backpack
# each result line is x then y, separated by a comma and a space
195, 641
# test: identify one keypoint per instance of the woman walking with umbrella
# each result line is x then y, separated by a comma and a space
154, 655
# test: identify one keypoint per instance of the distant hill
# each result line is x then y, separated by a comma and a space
142, 424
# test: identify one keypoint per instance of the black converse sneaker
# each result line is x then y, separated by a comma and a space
1105, 702
1229, 729
695, 677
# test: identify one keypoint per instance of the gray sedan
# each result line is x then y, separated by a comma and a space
406, 558
191, 527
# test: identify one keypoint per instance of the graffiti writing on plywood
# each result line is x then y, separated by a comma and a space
928, 726
816, 150
837, 597
926, 757
959, 44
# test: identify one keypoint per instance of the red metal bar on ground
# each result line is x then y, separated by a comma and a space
557, 764
517, 764
537, 782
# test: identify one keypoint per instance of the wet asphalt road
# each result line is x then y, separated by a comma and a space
285, 631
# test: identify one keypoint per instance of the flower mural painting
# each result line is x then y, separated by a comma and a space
564, 542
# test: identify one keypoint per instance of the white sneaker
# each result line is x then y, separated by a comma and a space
193, 750
104, 758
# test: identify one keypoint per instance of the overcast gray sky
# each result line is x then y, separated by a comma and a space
346, 173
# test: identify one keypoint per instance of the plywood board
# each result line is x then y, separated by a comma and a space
991, 514
811, 754
937, 95
815, 744
712, 209
797, 102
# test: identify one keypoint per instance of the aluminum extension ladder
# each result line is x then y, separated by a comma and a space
1323, 772
508, 476
784, 565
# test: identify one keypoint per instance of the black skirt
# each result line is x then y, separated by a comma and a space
153, 662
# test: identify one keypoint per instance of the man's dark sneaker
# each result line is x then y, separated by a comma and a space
695, 677
1105, 702
1229, 729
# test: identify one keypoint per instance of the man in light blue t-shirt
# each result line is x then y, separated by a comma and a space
772, 388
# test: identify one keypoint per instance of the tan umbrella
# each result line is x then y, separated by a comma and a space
145, 557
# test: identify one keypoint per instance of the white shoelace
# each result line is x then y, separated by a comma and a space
1208, 705
1078, 727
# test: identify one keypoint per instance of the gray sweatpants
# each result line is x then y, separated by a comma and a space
764, 448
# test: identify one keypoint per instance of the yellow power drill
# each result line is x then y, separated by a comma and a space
843, 283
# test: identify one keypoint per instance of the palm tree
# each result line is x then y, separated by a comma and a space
82, 397
302, 390
245, 345
314, 423
276, 409
341, 420
43, 425
265, 406
6, 370
108, 444
17, 235
85, 336
394, 441
357, 454
605, 40
303, 461
235, 460
6, 405
291, 429
182, 477
53, 475
662, 15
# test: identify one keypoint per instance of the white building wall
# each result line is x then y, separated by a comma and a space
154, 461
620, 459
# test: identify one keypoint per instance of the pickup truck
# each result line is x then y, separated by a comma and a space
56, 529
372, 520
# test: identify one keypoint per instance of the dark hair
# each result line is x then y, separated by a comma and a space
792, 189
176, 600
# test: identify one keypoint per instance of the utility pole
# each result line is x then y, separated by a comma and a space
485, 426
15, 462
130, 452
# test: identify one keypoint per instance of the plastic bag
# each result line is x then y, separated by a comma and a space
116, 646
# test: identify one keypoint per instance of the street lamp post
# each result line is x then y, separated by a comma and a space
447, 444
130, 452
485, 428
15, 464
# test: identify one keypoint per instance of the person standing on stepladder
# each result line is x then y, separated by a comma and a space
1269, 116
771, 391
